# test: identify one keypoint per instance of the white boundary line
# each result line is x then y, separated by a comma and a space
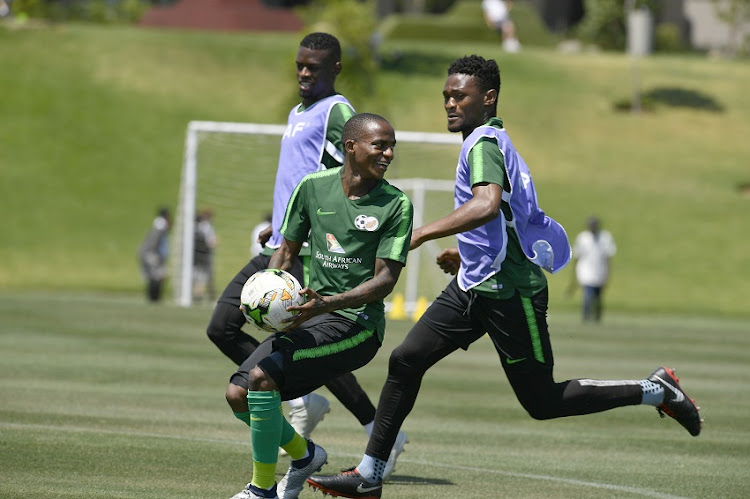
452, 466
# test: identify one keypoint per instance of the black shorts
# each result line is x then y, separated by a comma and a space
304, 359
232, 292
517, 326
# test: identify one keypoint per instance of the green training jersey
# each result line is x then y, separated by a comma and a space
517, 273
347, 235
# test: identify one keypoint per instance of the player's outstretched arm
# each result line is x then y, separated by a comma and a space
480, 209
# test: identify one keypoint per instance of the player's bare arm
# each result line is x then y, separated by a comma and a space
377, 288
480, 209
283, 258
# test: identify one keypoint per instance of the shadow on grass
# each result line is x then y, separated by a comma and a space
674, 97
417, 480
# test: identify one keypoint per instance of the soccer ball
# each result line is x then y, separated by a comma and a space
265, 297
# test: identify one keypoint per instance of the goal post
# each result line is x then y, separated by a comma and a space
231, 169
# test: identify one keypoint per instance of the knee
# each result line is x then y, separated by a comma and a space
259, 381
538, 411
405, 363
540, 396
236, 398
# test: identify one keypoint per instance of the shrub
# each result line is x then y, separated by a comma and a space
667, 38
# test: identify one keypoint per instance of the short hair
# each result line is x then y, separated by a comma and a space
357, 124
323, 41
484, 70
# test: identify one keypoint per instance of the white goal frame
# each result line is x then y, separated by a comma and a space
185, 215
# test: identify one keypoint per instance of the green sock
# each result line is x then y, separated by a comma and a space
243, 416
265, 432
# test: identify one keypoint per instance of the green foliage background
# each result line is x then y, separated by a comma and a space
93, 119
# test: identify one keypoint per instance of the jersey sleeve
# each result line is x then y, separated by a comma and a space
487, 163
333, 153
296, 225
396, 236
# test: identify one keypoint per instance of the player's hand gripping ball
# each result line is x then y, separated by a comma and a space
265, 297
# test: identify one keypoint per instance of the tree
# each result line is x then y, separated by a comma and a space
736, 14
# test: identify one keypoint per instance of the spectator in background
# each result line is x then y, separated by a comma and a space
153, 254
257, 243
203, 256
497, 17
592, 252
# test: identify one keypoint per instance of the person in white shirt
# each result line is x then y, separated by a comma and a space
592, 252
497, 17
256, 248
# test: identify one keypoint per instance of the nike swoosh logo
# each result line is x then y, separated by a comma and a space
254, 418
678, 396
514, 361
362, 489
321, 212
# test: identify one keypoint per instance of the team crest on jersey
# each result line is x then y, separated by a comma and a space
333, 244
366, 222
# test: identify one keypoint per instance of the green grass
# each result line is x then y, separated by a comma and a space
103, 396
93, 126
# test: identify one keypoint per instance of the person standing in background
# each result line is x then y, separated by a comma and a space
497, 17
153, 255
592, 252
203, 256
256, 248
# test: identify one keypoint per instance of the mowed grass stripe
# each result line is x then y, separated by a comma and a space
106, 397
333, 452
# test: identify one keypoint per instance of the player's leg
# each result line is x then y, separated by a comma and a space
587, 302
420, 350
596, 305
443, 328
349, 392
225, 326
518, 328
328, 347
261, 411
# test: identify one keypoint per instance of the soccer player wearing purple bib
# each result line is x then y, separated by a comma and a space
504, 242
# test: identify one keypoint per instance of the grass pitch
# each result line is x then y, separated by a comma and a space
107, 397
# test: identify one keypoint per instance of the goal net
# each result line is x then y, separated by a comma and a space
230, 168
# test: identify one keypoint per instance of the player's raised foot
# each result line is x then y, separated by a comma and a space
676, 403
304, 419
348, 483
398, 448
300, 470
252, 492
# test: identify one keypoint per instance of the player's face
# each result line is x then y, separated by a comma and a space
465, 103
316, 73
373, 150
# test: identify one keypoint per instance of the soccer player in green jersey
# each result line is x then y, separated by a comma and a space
504, 242
312, 142
359, 230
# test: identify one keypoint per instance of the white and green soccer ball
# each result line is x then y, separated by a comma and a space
265, 297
